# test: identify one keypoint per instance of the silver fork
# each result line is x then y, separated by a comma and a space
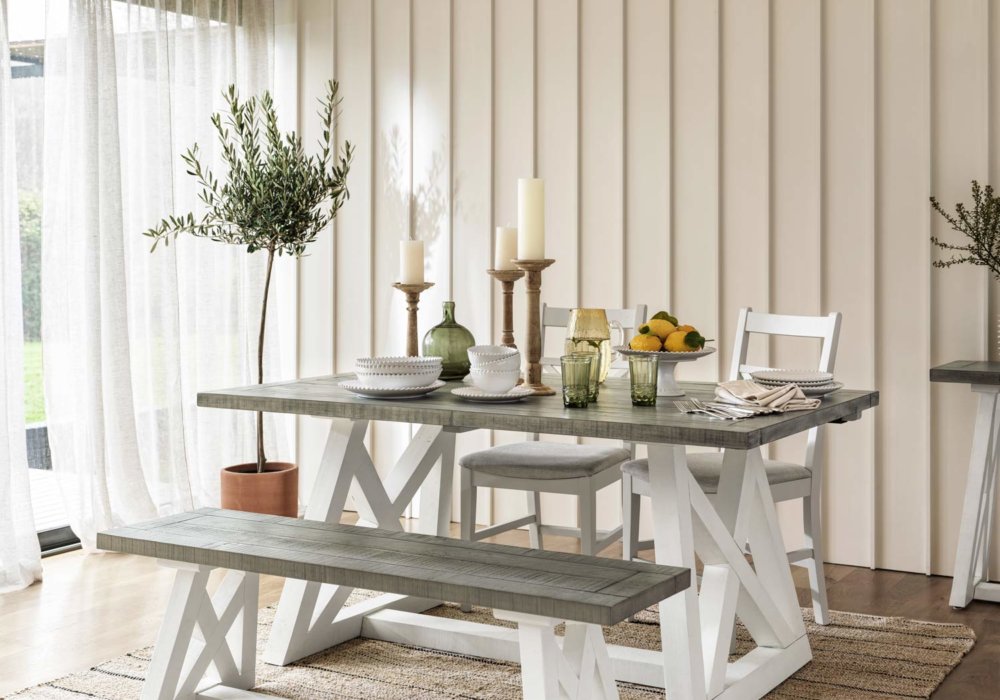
727, 409
692, 407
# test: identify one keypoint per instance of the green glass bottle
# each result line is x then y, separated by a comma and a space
450, 341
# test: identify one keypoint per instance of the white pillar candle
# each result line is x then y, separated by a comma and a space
411, 262
530, 219
506, 248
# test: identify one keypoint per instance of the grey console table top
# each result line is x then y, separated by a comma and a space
967, 372
538, 582
612, 417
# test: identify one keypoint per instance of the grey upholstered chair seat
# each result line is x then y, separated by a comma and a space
707, 466
544, 460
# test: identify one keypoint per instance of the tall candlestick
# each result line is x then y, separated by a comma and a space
411, 262
507, 279
530, 219
533, 284
412, 292
506, 248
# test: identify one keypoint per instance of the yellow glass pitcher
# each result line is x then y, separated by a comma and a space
588, 330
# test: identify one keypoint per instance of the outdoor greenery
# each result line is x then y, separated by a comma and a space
274, 197
980, 225
30, 212
34, 391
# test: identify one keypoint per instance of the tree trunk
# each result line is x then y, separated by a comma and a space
261, 458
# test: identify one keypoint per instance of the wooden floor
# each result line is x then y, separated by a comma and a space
92, 608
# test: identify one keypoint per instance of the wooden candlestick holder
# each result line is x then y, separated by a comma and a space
507, 279
412, 292
534, 287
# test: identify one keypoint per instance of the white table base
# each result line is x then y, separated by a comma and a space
972, 558
696, 628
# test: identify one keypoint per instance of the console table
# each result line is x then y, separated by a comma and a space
973, 553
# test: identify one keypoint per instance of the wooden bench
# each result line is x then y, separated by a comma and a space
536, 589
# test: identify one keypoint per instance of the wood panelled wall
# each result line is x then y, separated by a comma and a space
699, 155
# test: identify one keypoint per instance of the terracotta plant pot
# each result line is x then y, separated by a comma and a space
275, 491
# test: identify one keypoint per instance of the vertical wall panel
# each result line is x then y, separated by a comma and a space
513, 154
744, 247
902, 154
647, 154
472, 186
694, 139
392, 195
849, 244
601, 153
315, 346
960, 99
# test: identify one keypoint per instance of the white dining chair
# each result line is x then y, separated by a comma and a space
537, 467
788, 480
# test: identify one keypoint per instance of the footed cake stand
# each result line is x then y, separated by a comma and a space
666, 383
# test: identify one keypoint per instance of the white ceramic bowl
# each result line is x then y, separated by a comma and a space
373, 364
494, 381
479, 354
398, 380
510, 362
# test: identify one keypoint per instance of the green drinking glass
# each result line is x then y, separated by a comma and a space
595, 371
576, 379
642, 374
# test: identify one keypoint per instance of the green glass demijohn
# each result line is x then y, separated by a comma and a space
450, 341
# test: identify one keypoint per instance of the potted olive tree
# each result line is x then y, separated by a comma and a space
274, 199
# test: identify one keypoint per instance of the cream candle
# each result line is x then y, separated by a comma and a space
530, 219
506, 248
411, 262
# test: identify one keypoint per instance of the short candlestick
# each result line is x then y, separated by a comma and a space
412, 292
507, 279
533, 284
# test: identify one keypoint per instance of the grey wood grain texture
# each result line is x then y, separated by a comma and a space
967, 372
612, 417
555, 584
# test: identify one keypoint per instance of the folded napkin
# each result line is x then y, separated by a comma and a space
750, 395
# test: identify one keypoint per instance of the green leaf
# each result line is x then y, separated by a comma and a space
694, 339
644, 328
664, 316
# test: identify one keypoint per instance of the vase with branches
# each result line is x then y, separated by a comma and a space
980, 225
274, 197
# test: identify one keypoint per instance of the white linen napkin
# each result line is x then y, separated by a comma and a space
748, 394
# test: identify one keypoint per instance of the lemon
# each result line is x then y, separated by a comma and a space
658, 327
666, 316
647, 342
686, 328
684, 341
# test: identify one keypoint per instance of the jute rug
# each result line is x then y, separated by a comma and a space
857, 657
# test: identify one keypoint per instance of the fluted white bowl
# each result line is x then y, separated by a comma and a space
495, 381
512, 361
488, 353
396, 363
398, 380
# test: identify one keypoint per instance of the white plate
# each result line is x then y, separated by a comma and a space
664, 355
471, 393
374, 392
792, 376
817, 391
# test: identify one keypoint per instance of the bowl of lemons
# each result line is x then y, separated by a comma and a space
668, 340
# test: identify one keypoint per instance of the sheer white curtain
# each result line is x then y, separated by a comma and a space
20, 562
129, 337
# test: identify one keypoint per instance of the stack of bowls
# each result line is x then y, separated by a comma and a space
495, 368
397, 372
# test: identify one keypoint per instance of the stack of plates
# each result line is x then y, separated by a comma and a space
395, 377
811, 382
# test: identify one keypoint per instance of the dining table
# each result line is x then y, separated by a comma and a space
696, 626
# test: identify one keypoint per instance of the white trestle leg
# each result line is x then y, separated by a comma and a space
580, 669
972, 556
205, 641
311, 616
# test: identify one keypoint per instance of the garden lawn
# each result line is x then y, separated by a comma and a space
34, 392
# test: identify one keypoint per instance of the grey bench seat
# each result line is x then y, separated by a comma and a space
535, 588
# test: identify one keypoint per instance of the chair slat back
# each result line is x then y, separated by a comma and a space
826, 328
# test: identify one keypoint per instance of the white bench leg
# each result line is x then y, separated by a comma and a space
580, 669
199, 631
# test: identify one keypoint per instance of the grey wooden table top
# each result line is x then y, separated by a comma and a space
967, 372
555, 584
612, 417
